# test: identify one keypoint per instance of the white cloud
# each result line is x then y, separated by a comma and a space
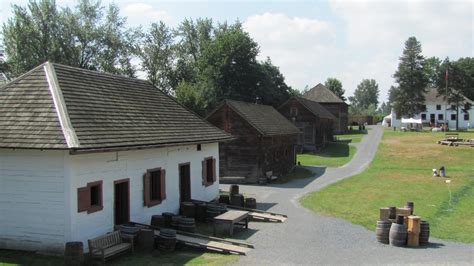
144, 14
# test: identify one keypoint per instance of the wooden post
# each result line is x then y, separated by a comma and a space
384, 214
413, 230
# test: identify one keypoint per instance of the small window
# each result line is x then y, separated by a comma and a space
440, 116
198, 147
293, 111
208, 171
466, 117
423, 116
438, 107
154, 187
89, 198
453, 116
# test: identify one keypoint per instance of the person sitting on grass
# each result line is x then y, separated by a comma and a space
442, 171
435, 173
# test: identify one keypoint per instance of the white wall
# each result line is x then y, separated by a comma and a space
113, 166
32, 209
431, 109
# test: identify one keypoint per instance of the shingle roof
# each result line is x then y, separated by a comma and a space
61, 107
315, 108
321, 94
432, 96
264, 118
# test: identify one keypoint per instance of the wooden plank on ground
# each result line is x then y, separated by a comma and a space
267, 217
213, 245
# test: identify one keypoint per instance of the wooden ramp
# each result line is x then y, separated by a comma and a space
207, 242
263, 216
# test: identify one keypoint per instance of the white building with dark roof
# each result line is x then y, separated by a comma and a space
439, 111
82, 151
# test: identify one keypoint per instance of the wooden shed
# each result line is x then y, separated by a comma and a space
313, 120
332, 103
264, 143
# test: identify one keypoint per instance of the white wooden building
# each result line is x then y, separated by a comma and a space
439, 111
82, 151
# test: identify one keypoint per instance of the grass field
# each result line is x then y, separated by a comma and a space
401, 172
334, 154
182, 257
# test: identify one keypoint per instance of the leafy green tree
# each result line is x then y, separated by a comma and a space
432, 69
411, 79
366, 94
193, 96
157, 55
82, 37
384, 109
334, 85
466, 65
271, 87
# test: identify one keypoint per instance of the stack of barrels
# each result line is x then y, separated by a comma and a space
74, 254
166, 241
187, 225
399, 227
236, 199
201, 209
188, 209
214, 210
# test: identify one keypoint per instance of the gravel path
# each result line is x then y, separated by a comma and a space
309, 238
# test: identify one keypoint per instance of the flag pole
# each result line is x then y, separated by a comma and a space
446, 122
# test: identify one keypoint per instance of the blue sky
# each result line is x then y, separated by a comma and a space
313, 40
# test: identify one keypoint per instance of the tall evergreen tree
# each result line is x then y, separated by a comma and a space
334, 85
366, 94
412, 80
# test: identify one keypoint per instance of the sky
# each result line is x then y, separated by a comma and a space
313, 40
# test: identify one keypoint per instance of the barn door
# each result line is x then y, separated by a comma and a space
184, 182
122, 201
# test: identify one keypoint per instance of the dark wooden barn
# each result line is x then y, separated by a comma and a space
313, 120
264, 143
332, 103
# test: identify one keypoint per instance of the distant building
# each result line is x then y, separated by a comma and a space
313, 120
436, 109
332, 103
82, 151
264, 141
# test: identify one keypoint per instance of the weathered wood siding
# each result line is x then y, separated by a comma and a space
340, 111
278, 154
32, 200
113, 166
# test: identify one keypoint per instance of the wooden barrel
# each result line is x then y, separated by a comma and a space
400, 219
424, 232
398, 235
175, 221
128, 230
393, 212
167, 217
157, 220
410, 205
237, 200
251, 203
234, 189
214, 210
201, 212
146, 238
188, 209
382, 231
225, 199
74, 253
187, 225
166, 241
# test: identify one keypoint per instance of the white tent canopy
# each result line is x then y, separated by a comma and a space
411, 121
387, 120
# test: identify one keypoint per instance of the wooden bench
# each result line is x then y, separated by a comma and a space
231, 218
108, 245
452, 136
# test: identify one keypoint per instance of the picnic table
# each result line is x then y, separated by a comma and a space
231, 218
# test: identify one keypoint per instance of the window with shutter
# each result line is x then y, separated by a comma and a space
154, 190
89, 198
208, 171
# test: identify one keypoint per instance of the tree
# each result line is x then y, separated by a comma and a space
451, 84
271, 87
432, 68
412, 80
384, 109
82, 37
335, 86
366, 94
156, 54
466, 65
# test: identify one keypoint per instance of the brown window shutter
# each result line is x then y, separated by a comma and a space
163, 184
83, 199
204, 172
213, 170
146, 189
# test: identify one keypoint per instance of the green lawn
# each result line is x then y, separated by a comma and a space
354, 136
334, 155
401, 172
186, 256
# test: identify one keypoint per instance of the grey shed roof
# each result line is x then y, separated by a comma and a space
315, 108
264, 118
432, 96
321, 94
60, 107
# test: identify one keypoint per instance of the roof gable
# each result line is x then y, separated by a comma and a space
102, 110
315, 108
432, 97
322, 94
264, 118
